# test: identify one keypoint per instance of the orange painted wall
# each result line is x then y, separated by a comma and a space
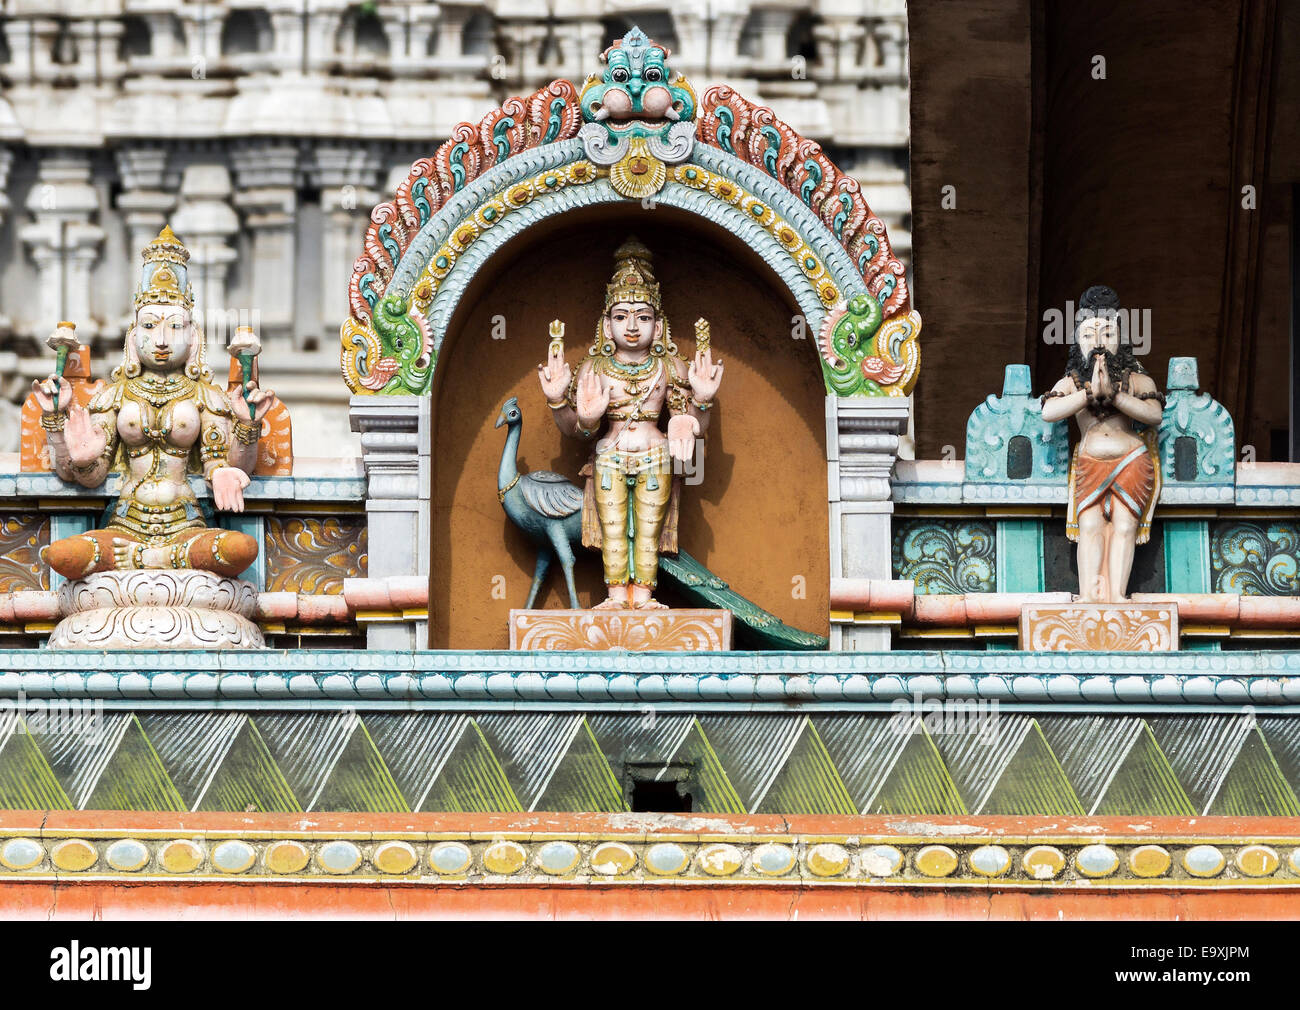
86, 897
759, 519
199, 901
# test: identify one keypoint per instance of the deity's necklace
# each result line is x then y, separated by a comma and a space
160, 391
630, 374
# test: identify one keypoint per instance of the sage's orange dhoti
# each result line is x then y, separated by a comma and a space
1130, 480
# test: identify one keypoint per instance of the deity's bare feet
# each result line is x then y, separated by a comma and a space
617, 599
643, 600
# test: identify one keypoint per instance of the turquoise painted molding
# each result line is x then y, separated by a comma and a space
304, 489
1254, 558
1059, 681
1187, 555
947, 556
1199, 428
1020, 556
1265, 495
1009, 430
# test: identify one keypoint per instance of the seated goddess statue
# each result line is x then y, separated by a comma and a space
160, 418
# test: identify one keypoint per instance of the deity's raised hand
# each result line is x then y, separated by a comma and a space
85, 439
704, 376
555, 376
262, 399
592, 399
45, 393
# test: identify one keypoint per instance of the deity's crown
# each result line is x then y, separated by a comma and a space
164, 277
634, 278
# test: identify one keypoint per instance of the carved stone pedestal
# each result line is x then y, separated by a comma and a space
634, 630
157, 610
1099, 627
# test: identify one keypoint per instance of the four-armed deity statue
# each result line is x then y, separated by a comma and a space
1115, 473
632, 373
160, 418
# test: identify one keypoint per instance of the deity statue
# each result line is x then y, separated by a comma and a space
1115, 472
158, 419
630, 374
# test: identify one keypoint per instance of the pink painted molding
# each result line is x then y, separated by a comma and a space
393, 592
29, 605
937, 610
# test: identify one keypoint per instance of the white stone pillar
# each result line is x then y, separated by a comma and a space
449, 48
579, 41
266, 192
6, 162
395, 452
347, 177
162, 40
207, 224
321, 35
724, 43
838, 42
862, 436
202, 24
773, 24
145, 202
526, 39
19, 37
63, 242
424, 18
692, 56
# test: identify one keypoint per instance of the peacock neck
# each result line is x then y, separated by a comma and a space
509, 468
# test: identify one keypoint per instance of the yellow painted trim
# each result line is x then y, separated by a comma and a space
362, 616
1266, 633
69, 504
877, 617
996, 630
937, 633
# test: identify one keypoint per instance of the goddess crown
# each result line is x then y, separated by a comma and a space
164, 277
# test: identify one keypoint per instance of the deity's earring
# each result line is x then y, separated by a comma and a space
131, 356
607, 344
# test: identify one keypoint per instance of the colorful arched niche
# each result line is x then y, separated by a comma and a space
724, 159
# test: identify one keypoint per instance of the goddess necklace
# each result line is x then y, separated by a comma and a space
159, 391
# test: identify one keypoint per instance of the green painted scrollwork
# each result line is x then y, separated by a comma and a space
947, 557
1255, 559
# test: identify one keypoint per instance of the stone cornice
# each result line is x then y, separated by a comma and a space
817, 681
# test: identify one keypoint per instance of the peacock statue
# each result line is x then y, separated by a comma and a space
548, 508
545, 505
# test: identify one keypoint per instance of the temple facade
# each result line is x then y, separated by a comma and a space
118, 117
633, 602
